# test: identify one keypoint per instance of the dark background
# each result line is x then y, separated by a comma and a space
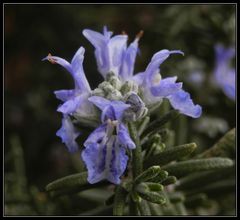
32, 31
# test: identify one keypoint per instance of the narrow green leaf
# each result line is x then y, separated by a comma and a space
195, 200
162, 175
70, 184
176, 197
155, 197
79, 179
154, 186
135, 197
216, 188
133, 207
119, 201
155, 209
170, 154
169, 180
147, 174
157, 124
180, 208
110, 200
155, 138
144, 208
185, 167
225, 147
203, 178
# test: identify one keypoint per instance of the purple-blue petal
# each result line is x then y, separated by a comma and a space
117, 45
78, 72
224, 54
157, 59
96, 39
71, 105
128, 62
228, 84
108, 51
223, 73
124, 137
64, 95
181, 101
94, 156
68, 133
118, 163
114, 111
97, 135
105, 161
100, 102
166, 87
119, 108
139, 78
110, 109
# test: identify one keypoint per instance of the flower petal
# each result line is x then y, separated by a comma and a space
96, 39
105, 161
166, 87
100, 102
229, 84
68, 133
116, 46
71, 105
110, 109
64, 95
181, 101
157, 59
108, 51
124, 137
129, 60
97, 135
114, 111
118, 163
224, 54
78, 73
139, 78
94, 156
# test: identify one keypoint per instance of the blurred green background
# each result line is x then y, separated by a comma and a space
32, 31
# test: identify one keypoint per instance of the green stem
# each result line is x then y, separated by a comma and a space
137, 163
137, 152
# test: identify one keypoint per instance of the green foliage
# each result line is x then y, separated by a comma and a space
225, 147
190, 166
170, 154
156, 190
70, 184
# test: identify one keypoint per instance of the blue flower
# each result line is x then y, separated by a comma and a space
108, 51
223, 73
68, 133
105, 148
73, 99
153, 88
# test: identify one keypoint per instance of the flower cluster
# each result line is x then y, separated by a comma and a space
224, 74
121, 98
